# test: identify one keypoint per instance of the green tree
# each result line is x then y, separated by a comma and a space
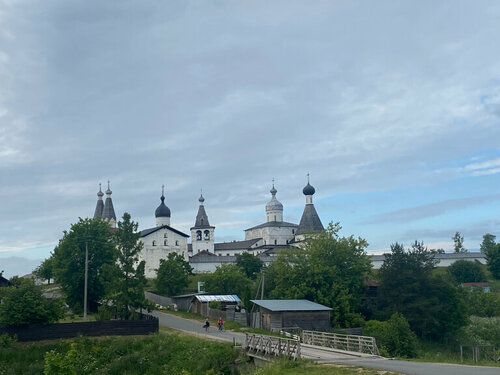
229, 279
127, 279
329, 270
458, 241
479, 303
69, 261
45, 270
465, 271
23, 303
493, 259
394, 336
173, 275
488, 243
431, 304
250, 264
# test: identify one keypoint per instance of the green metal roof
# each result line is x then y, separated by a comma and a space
289, 305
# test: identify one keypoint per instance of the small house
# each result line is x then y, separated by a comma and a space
276, 314
484, 286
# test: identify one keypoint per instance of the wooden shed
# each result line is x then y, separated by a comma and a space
276, 314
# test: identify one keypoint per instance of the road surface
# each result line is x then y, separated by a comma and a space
330, 356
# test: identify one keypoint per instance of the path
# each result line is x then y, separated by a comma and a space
329, 356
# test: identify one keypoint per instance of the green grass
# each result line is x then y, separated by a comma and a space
164, 353
309, 368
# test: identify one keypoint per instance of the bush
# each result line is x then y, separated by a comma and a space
216, 305
479, 303
482, 331
23, 304
6, 341
464, 271
394, 336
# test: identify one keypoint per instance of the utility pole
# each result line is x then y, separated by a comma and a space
262, 291
86, 280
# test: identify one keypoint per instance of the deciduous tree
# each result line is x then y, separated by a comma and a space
69, 261
465, 271
250, 264
229, 279
458, 241
173, 275
329, 270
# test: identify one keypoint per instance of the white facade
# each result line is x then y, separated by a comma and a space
157, 245
273, 234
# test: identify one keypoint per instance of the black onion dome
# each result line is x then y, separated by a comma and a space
308, 190
162, 210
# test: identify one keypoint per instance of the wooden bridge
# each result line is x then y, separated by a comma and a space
272, 346
348, 343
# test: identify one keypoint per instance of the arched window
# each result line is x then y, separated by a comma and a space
275, 242
165, 243
198, 235
177, 243
206, 235
154, 243
165, 235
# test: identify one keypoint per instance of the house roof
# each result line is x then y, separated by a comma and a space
476, 284
274, 224
289, 305
310, 221
236, 245
147, 232
218, 298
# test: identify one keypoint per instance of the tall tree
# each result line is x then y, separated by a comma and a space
69, 261
458, 241
329, 270
229, 279
45, 270
493, 259
127, 284
173, 275
250, 264
431, 305
488, 243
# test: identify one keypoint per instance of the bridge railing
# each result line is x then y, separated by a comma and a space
272, 346
351, 343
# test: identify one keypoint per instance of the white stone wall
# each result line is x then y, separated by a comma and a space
166, 241
274, 215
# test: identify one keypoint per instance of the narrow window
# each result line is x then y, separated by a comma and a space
165, 243
165, 235
206, 235
198, 235
176, 243
275, 242
154, 243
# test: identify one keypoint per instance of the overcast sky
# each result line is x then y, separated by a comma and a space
392, 107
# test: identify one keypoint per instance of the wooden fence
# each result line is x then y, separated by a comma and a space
272, 346
351, 343
37, 332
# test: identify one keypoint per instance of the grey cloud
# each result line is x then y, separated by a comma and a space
430, 210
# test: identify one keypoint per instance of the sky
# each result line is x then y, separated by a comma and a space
392, 107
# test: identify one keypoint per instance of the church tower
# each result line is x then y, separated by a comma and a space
274, 208
202, 234
310, 221
108, 211
162, 213
99, 208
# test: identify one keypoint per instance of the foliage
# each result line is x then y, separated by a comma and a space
250, 264
6, 341
45, 270
69, 261
465, 271
329, 270
127, 281
173, 275
215, 305
493, 258
458, 241
229, 279
430, 303
155, 354
23, 303
479, 303
307, 367
394, 335
482, 331
488, 243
